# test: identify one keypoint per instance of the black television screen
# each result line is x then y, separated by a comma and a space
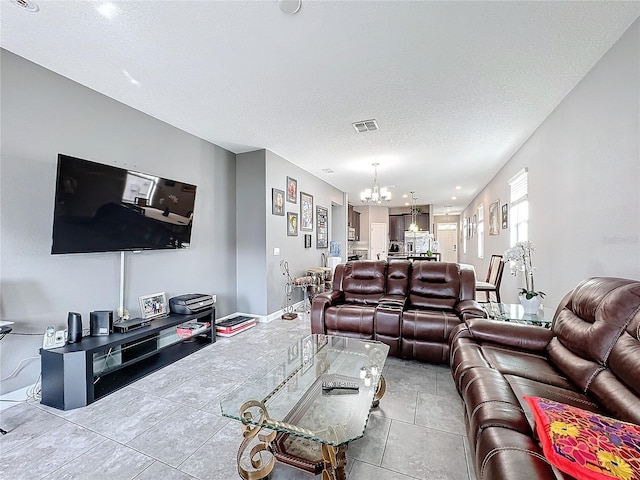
100, 208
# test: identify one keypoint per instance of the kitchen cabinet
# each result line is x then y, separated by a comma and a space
354, 221
396, 228
422, 220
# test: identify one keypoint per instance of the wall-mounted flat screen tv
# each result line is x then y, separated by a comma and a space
101, 208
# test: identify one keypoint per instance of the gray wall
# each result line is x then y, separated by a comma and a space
584, 177
292, 248
44, 114
251, 232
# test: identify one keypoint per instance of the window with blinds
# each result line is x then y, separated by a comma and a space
519, 207
481, 231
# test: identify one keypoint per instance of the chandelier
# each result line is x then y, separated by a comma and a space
375, 194
414, 213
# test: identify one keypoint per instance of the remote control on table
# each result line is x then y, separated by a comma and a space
342, 387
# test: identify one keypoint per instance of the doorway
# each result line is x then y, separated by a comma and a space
447, 236
378, 241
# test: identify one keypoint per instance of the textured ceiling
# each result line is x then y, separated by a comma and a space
456, 87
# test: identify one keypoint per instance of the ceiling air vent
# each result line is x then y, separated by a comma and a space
365, 126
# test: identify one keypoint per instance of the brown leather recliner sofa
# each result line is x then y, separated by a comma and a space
590, 358
411, 306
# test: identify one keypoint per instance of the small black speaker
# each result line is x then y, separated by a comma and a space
74, 327
101, 322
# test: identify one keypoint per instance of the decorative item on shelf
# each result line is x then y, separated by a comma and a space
519, 257
287, 307
375, 194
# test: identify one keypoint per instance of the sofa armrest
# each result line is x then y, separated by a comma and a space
467, 309
516, 335
320, 304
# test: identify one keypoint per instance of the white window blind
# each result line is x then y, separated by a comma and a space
519, 207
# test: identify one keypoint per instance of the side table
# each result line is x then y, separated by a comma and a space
514, 312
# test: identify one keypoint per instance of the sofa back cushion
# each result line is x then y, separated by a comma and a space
595, 315
598, 324
364, 281
617, 388
434, 285
398, 277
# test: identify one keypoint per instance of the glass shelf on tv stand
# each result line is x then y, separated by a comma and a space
114, 358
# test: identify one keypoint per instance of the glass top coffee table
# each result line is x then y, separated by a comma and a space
514, 312
287, 415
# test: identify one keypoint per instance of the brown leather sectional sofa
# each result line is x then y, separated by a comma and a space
589, 359
411, 306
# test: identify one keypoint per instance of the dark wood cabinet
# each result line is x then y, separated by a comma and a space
354, 221
396, 228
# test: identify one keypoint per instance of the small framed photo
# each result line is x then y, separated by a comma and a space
494, 211
307, 240
153, 306
292, 190
306, 211
505, 216
322, 215
277, 202
292, 224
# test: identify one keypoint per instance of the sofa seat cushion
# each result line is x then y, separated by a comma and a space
425, 334
584, 444
433, 325
524, 364
357, 319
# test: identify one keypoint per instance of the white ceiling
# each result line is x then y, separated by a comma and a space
456, 87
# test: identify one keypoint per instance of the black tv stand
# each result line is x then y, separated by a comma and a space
80, 373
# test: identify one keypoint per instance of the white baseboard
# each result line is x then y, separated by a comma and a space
261, 318
10, 399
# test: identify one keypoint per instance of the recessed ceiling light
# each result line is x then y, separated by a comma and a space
27, 5
458, 187
108, 9
290, 7
454, 197
406, 204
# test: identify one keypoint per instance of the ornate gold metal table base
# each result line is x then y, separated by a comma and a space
335, 459
262, 456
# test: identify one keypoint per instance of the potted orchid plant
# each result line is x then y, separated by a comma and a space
519, 257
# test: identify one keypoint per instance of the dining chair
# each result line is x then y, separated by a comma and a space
491, 287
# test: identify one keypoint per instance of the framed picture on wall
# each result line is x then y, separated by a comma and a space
322, 221
292, 190
277, 202
505, 216
306, 211
307, 240
494, 212
292, 224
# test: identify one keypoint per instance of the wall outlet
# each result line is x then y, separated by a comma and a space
214, 298
276, 251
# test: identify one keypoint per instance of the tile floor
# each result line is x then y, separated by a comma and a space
168, 425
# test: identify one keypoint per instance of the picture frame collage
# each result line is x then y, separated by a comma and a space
303, 219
